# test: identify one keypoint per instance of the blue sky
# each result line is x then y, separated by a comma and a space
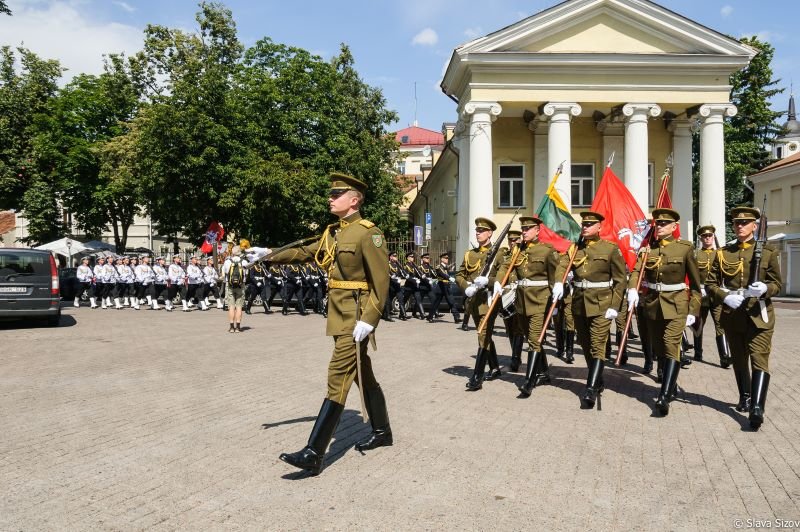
395, 44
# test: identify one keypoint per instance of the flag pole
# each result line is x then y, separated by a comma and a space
611, 159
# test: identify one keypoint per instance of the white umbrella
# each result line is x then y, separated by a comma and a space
65, 246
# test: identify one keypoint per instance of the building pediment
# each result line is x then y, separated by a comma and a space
603, 35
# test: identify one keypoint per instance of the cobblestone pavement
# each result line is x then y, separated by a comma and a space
125, 420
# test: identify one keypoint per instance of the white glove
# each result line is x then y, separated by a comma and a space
452, 279
299, 282
254, 254
498, 289
470, 290
633, 298
481, 281
611, 314
733, 300
558, 291
258, 284
362, 330
757, 289
690, 319
703, 292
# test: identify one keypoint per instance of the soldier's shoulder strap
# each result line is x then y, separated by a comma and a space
366, 223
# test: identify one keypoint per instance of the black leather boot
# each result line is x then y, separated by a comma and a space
593, 386
494, 364
743, 384
516, 352
560, 342
465, 322
543, 371
527, 387
724, 351
624, 354
569, 351
381, 435
698, 347
285, 309
475, 382
669, 385
608, 350
247, 308
310, 458
456, 317
758, 398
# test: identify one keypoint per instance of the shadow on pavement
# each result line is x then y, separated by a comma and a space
287, 422
29, 323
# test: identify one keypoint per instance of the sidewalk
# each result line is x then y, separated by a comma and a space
125, 420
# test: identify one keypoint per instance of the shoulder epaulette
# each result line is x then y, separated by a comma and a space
367, 224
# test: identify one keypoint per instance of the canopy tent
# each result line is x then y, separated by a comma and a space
60, 247
97, 244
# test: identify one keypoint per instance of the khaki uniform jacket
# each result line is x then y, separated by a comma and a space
536, 261
596, 261
352, 249
731, 270
705, 257
471, 267
670, 261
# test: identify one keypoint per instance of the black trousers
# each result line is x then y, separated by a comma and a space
160, 290
85, 287
290, 288
275, 288
443, 292
210, 290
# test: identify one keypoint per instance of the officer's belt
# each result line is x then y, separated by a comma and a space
348, 285
531, 282
739, 291
584, 284
661, 287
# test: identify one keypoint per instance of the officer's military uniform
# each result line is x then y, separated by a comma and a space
177, 283
425, 286
256, 285
276, 281
161, 284
668, 300
99, 281
514, 321
144, 279
85, 275
412, 289
397, 277
293, 286
749, 326
471, 267
564, 324
705, 258
315, 286
444, 280
598, 284
211, 283
353, 252
535, 268
112, 280
195, 280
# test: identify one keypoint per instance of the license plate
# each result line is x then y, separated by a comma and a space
12, 289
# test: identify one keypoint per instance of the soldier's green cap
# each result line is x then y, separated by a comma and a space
750, 214
528, 221
485, 223
591, 216
514, 233
706, 229
343, 182
666, 214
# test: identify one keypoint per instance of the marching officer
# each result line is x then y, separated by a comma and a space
211, 280
353, 251
276, 281
316, 286
177, 282
257, 285
85, 277
747, 318
705, 258
598, 284
535, 268
112, 280
425, 287
412, 287
293, 285
195, 280
444, 280
564, 323
514, 322
474, 284
161, 284
99, 282
397, 277
145, 278
668, 306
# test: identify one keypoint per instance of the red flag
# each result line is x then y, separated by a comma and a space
664, 202
625, 223
557, 241
214, 233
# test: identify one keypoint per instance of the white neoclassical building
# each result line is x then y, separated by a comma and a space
574, 84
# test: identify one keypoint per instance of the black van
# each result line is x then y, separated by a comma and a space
29, 286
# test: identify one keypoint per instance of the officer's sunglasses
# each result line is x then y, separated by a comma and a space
707, 235
662, 223
741, 222
587, 224
337, 192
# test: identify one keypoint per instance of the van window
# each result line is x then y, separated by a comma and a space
35, 263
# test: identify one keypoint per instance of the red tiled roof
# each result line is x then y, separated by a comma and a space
419, 136
778, 164
7, 222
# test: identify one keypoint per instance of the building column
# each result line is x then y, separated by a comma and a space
711, 197
613, 142
559, 147
463, 224
682, 174
481, 184
636, 150
540, 169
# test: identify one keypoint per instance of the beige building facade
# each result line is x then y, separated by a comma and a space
575, 84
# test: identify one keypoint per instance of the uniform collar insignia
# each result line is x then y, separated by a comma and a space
745, 245
483, 248
351, 219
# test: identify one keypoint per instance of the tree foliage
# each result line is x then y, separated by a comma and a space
4, 8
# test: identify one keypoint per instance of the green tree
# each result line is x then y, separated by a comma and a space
4, 8
28, 181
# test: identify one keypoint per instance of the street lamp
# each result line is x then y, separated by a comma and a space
69, 251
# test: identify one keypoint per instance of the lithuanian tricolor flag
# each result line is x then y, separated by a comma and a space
560, 229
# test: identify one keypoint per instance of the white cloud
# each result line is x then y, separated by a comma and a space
726, 11
57, 29
426, 37
125, 5
473, 33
